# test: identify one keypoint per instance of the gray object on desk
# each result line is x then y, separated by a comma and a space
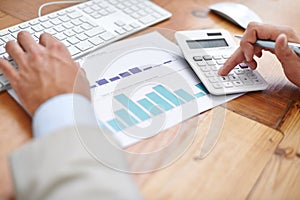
238, 14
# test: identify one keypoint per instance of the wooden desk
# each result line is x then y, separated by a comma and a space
257, 156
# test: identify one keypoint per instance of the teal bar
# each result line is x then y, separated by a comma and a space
200, 94
134, 108
126, 117
104, 128
201, 87
183, 94
168, 95
116, 124
161, 102
154, 110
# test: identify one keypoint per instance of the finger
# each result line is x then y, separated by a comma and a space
8, 70
252, 64
282, 50
236, 58
52, 43
46, 39
16, 52
27, 42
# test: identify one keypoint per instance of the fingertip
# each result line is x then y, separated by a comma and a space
281, 41
282, 49
8, 70
223, 71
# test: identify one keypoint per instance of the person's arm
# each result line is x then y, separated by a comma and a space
58, 164
247, 50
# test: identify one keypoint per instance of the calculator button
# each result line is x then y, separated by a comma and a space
213, 79
214, 68
232, 78
223, 78
243, 65
197, 58
217, 57
221, 62
207, 57
248, 71
246, 80
252, 76
226, 56
217, 85
205, 69
209, 74
237, 83
210, 62
257, 81
201, 63
239, 71
227, 84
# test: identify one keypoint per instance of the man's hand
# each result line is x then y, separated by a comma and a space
46, 69
281, 35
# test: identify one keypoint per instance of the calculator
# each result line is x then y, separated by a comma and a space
206, 51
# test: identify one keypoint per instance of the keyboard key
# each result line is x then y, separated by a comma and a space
69, 33
148, 19
96, 40
4, 32
4, 80
84, 45
47, 24
107, 36
73, 40
120, 31
120, 23
14, 29
73, 50
82, 36
96, 31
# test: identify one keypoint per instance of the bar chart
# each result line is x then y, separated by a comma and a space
143, 91
154, 103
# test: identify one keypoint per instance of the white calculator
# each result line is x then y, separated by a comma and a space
206, 51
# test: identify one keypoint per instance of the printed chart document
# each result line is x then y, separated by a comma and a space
142, 86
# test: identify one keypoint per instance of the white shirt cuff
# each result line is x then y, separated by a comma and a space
63, 111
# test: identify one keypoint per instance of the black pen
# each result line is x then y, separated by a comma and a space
269, 44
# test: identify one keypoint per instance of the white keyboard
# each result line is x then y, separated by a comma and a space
88, 26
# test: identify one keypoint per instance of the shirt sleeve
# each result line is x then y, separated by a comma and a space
62, 111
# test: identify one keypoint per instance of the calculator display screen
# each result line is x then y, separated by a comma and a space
210, 43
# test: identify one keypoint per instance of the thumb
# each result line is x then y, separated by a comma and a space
282, 50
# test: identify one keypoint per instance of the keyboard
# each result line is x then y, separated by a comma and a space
87, 26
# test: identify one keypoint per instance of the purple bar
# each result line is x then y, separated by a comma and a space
167, 62
124, 74
114, 78
147, 68
93, 86
135, 70
102, 81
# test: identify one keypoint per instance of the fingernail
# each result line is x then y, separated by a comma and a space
284, 41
